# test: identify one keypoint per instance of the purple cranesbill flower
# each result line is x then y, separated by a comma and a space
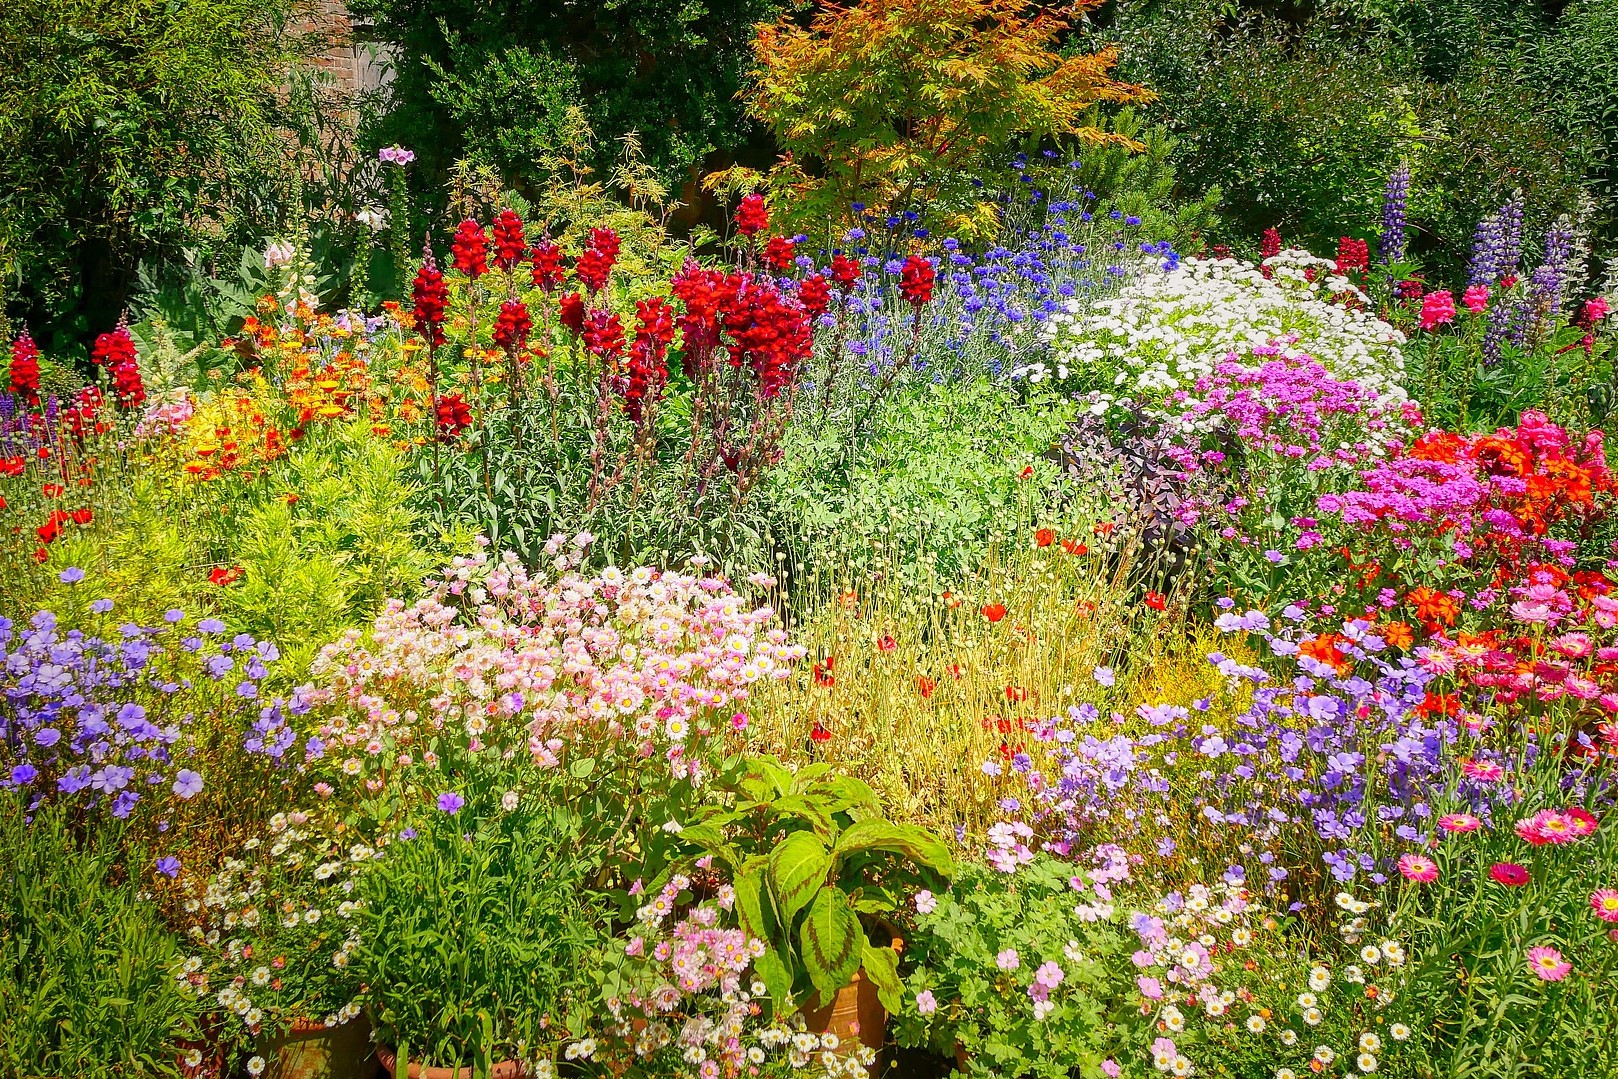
450, 802
173, 615
71, 575
168, 865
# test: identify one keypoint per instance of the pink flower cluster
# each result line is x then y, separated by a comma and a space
645, 658
1557, 826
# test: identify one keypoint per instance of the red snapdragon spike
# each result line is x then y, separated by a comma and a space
454, 416
604, 334
510, 245
593, 269
916, 281
607, 242
751, 216
570, 310
654, 331
1270, 245
1352, 255
844, 272
25, 369
547, 265
512, 326
118, 353
778, 254
815, 295
429, 295
469, 250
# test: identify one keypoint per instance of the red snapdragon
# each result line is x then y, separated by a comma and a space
510, 245
751, 216
25, 369
470, 249
916, 281
512, 327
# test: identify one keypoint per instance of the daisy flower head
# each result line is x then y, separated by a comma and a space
1548, 965
1460, 822
1604, 901
1418, 868
1510, 874
1399, 1032
1365, 1062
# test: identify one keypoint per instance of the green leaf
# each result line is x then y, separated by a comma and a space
777, 977
764, 780
756, 917
582, 769
920, 846
832, 942
882, 967
798, 867
813, 810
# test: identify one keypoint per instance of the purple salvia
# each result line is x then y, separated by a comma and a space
1394, 199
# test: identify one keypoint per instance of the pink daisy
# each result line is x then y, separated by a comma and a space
1510, 874
1459, 822
1483, 771
1418, 867
1548, 964
1604, 901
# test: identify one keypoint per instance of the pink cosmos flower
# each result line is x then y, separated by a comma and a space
1604, 901
1459, 822
1548, 964
1418, 868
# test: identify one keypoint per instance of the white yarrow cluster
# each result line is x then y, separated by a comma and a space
1149, 345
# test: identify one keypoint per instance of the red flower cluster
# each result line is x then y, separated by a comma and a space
512, 327
116, 352
454, 416
916, 281
510, 245
429, 295
25, 369
778, 254
815, 295
470, 249
751, 216
547, 265
769, 331
1352, 255
83, 416
570, 311
1270, 245
654, 332
604, 334
595, 265
844, 272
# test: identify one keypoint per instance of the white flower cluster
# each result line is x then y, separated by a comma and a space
1150, 344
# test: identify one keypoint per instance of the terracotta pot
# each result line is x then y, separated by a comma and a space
504, 1069
854, 1015
313, 1050
963, 1059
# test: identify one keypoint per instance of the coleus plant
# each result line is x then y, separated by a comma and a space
814, 862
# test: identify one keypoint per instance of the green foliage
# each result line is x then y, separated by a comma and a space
87, 968
494, 82
134, 129
926, 491
479, 928
809, 853
984, 1011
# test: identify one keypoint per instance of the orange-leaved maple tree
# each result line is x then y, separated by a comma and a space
902, 103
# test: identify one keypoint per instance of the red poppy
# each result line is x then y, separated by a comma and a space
1074, 547
1016, 693
221, 576
887, 643
925, 686
1105, 528
1156, 601
41, 555
1044, 537
1028, 471
822, 672
820, 733
994, 611
1003, 726
53, 490
955, 671
82, 516
951, 600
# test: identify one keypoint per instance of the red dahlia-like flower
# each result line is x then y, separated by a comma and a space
25, 369
778, 254
547, 265
454, 416
429, 294
470, 249
751, 216
570, 310
815, 295
510, 245
512, 327
844, 271
916, 280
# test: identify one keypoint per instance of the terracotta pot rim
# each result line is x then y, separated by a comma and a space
389, 1059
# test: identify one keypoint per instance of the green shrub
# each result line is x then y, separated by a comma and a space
87, 969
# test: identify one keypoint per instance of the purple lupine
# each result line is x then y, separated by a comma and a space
1511, 220
1487, 244
1502, 325
1550, 278
1391, 247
